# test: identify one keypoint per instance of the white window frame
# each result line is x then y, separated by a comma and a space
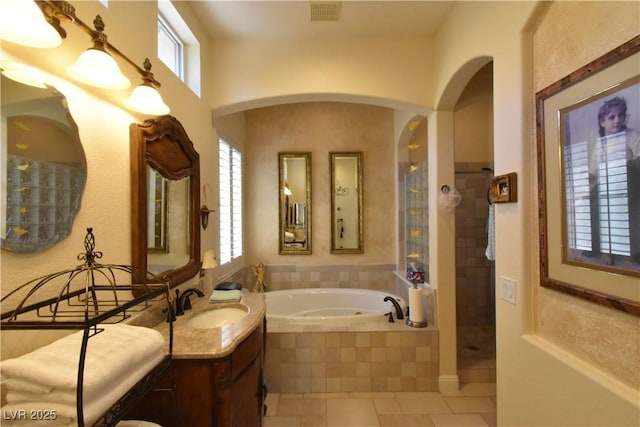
174, 60
230, 208
190, 72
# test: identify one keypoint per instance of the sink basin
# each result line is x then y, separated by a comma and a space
217, 317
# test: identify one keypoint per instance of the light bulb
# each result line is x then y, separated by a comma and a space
23, 74
146, 99
97, 68
22, 22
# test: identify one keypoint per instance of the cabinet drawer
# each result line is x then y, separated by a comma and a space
246, 352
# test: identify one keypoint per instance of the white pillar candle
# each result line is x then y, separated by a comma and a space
416, 313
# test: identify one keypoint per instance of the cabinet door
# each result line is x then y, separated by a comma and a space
158, 405
202, 391
247, 396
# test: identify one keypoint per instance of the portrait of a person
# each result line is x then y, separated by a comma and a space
602, 181
612, 124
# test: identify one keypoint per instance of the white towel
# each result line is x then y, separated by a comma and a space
22, 391
116, 350
116, 359
490, 252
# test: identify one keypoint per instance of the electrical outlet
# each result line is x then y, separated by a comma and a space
508, 289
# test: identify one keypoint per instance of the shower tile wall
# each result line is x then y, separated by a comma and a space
474, 272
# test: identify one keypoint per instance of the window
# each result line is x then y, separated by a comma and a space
170, 49
178, 48
230, 170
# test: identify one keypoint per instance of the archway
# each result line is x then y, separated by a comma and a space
442, 221
475, 257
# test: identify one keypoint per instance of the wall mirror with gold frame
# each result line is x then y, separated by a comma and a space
347, 223
43, 167
295, 203
165, 171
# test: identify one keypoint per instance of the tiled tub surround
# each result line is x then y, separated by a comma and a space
369, 356
394, 358
364, 357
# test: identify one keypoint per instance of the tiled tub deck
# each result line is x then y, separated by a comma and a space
385, 357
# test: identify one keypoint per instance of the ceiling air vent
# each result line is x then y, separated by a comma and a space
325, 10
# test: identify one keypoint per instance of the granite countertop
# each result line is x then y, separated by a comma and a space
192, 343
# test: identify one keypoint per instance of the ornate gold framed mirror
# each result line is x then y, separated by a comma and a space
347, 222
165, 196
295, 203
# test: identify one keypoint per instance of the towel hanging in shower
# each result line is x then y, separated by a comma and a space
490, 252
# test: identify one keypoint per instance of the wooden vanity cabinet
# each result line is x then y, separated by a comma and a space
222, 392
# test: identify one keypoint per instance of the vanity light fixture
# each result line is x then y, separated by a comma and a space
23, 23
204, 210
96, 66
209, 261
204, 216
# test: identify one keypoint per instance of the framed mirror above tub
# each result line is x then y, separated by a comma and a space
347, 222
42, 166
295, 203
165, 196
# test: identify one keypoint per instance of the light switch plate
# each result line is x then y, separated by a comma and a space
508, 289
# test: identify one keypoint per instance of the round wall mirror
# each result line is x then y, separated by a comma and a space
43, 167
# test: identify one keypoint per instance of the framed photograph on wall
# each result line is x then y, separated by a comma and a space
504, 188
588, 136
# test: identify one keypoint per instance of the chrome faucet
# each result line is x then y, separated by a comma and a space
399, 314
183, 302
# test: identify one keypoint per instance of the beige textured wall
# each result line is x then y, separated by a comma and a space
606, 338
265, 71
319, 128
473, 119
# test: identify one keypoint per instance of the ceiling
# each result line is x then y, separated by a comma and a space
266, 19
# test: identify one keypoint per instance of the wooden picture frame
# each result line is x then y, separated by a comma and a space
589, 229
504, 188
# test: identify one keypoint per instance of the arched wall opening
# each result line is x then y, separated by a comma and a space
475, 230
442, 237
319, 123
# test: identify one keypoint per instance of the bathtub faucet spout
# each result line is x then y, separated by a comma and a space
399, 314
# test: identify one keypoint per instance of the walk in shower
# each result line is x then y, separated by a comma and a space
475, 276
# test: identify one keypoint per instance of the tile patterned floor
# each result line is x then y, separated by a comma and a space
476, 407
